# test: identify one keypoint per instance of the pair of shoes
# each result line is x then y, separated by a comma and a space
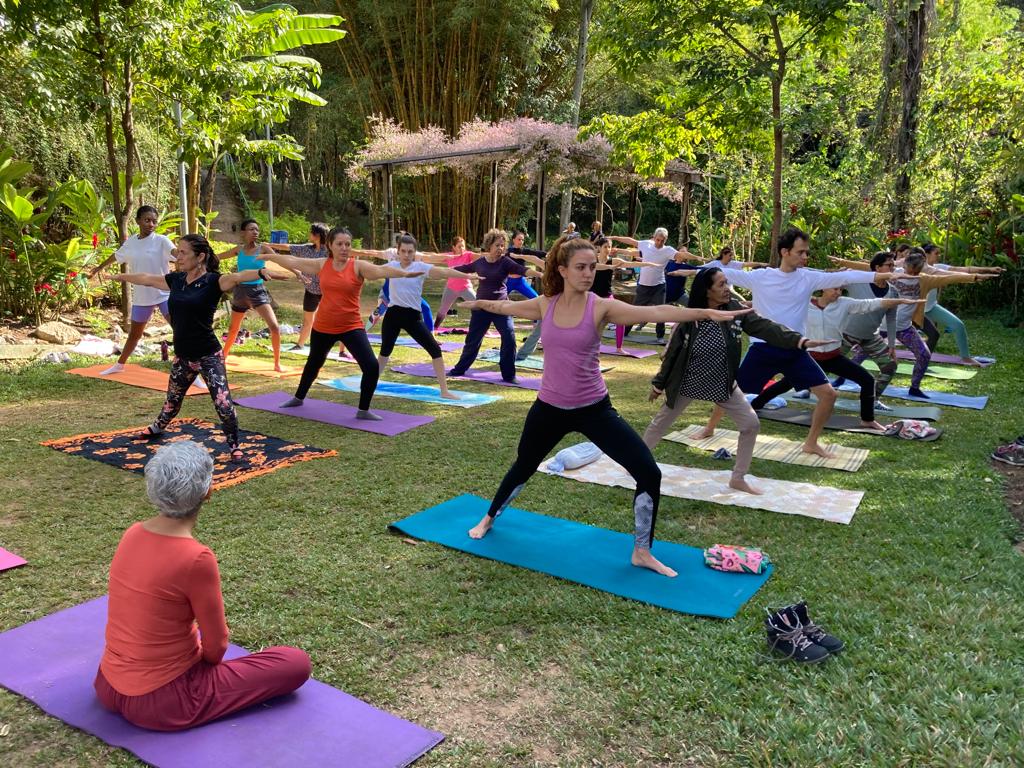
803, 394
721, 453
917, 392
1012, 454
792, 633
880, 406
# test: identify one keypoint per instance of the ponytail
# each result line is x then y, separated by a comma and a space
201, 247
560, 255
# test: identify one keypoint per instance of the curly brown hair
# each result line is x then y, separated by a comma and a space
560, 255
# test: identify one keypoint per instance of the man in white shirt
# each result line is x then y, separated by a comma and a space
783, 294
650, 286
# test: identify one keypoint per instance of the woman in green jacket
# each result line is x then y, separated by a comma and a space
701, 361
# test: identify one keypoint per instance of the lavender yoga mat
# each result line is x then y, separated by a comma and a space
608, 349
485, 377
10, 560
941, 357
338, 414
402, 341
52, 662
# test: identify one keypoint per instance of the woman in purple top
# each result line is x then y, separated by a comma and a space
573, 396
493, 267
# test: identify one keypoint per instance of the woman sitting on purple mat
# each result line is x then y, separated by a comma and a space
163, 666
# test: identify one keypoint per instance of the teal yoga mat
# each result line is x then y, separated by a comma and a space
419, 392
531, 363
585, 554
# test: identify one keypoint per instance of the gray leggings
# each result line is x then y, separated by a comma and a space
448, 301
736, 407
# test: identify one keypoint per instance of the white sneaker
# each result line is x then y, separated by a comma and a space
880, 406
115, 368
200, 384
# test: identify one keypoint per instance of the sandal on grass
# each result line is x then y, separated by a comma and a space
237, 457
148, 434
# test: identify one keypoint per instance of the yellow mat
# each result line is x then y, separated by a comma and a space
822, 503
259, 367
772, 448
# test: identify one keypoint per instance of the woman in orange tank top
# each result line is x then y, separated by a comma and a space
338, 317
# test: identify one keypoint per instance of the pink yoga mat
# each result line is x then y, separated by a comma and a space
608, 349
486, 377
52, 663
10, 560
338, 414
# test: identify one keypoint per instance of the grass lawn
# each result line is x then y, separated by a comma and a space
521, 669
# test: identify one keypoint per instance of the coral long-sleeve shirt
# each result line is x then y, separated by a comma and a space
161, 587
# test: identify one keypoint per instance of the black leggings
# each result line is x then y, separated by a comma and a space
398, 319
600, 423
931, 333
840, 366
355, 342
183, 373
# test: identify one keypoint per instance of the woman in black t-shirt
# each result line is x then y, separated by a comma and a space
602, 285
196, 289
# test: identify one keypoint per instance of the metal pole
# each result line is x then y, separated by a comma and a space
494, 195
270, 188
541, 209
182, 171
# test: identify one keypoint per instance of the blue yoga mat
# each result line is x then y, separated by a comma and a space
935, 398
588, 555
418, 392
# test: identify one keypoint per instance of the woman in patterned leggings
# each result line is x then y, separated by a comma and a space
195, 291
700, 364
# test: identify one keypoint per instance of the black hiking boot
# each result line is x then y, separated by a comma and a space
786, 636
830, 643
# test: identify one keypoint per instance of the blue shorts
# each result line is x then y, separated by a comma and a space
142, 312
763, 361
519, 285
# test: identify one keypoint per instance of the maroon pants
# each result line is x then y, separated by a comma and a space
206, 692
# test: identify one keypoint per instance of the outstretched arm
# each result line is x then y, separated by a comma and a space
442, 273
231, 279
141, 278
535, 260
528, 310
370, 271
850, 263
623, 239
621, 313
309, 266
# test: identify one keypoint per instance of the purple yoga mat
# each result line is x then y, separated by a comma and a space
608, 349
403, 341
53, 661
10, 560
485, 377
940, 358
338, 414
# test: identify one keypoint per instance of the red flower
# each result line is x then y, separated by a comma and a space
95, 241
38, 289
72, 275
12, 256
793, 209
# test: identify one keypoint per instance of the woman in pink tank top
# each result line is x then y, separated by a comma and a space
573, 396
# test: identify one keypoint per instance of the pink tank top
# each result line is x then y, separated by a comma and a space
572, 370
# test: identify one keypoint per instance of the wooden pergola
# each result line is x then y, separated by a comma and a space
676, 173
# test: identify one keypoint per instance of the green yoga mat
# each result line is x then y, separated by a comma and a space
928, 413
585, 554
935, 371
531, 363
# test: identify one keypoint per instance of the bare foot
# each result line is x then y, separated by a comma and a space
872, 425
278, 368
819, 450
449, 396
642, 558
740, 484
480, 530
368, 416
705, 433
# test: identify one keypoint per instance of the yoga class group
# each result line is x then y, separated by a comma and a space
813, 335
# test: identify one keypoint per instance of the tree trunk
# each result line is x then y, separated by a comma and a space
777, 140
193, 196
586, 11
910, 86
209, 183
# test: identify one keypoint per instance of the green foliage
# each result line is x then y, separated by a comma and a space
295, 224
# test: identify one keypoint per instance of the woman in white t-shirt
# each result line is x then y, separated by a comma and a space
147, 253
404, 308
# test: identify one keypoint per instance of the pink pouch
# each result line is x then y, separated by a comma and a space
725, 557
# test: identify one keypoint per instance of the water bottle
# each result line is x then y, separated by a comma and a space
163, 350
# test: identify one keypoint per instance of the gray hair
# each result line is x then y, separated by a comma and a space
178, 477
661, 231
